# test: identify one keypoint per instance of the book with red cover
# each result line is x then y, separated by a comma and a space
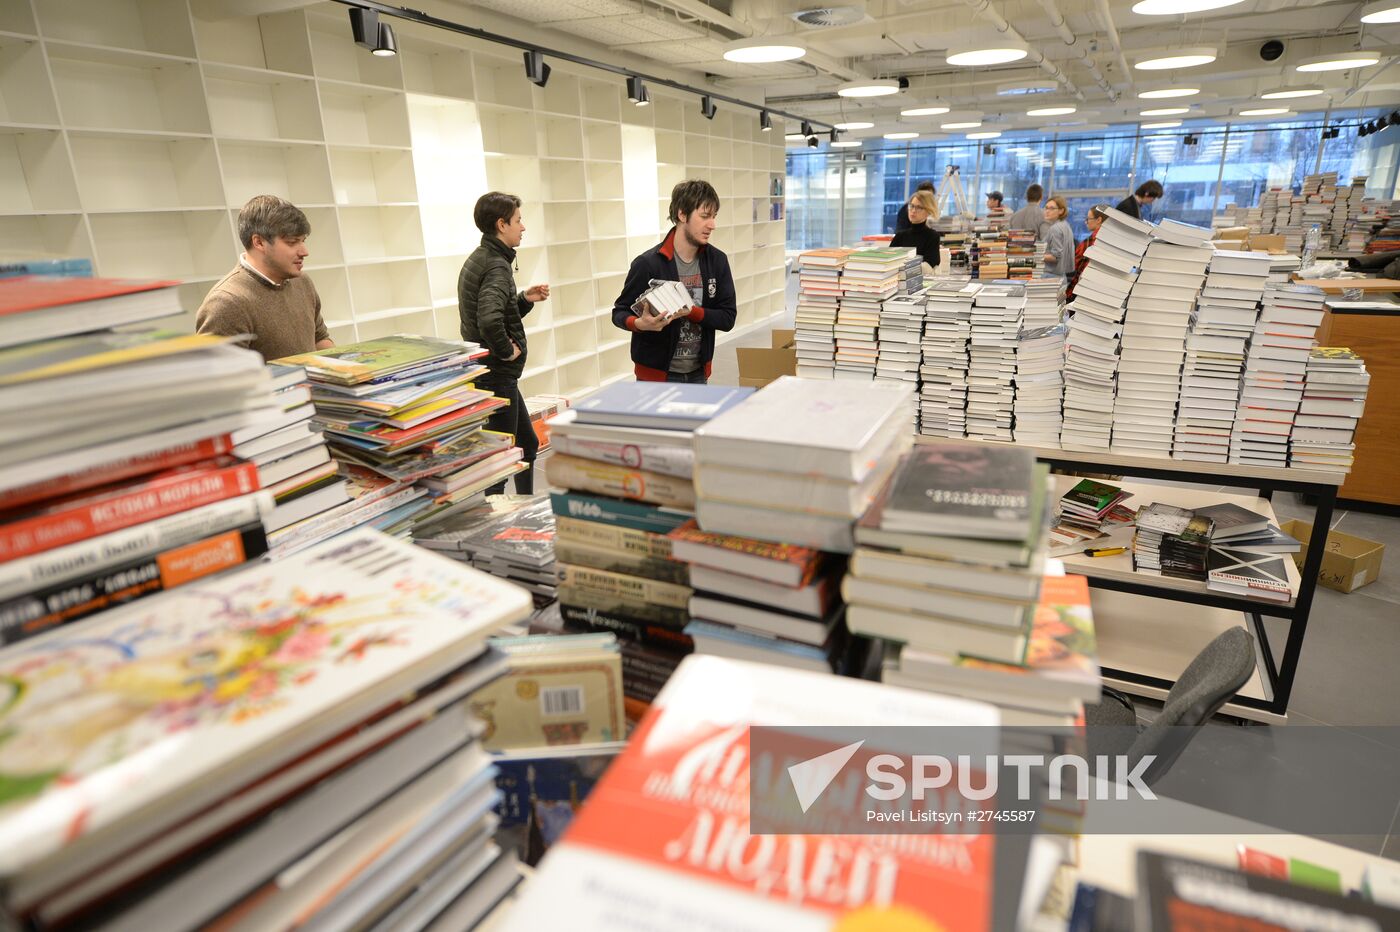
122, 504
74, 305
785, 564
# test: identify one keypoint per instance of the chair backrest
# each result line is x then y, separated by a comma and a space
1217, 673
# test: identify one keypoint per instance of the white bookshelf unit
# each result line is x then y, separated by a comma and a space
131, 131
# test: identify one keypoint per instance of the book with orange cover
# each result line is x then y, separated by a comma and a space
785, 564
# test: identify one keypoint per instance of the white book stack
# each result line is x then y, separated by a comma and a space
1154, 338
1273, 376
866, 282
1095, 326
943, 373
991, 391
1334, 397
1040, 382
1043, 300
818, 299
1282, 267
1215, 354
901, 330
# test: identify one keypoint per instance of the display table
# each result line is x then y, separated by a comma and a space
1373, 333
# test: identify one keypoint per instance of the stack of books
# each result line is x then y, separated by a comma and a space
1171, 541
510, 536
901, 332
629, 481
543, 409
1282, 267
1215, 353
408, 409
1020, 255
818, 298
956, 243
1334, 397
943, 367
1088, 513
1095, 325
1040, 382
1044, 297
996, 326
1248, 555
287, 745
911, 274
870, 277
763, 601
799, 461
950, 559
1154, 338
1273, 378
991, 255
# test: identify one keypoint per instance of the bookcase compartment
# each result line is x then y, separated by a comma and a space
565, 222
578, 375
127, 91
610, 256
273, 41
603, 100
324, 242
144, 25
670, 149
570, 263
334, 290
503, 82
25, 96
507, 132
603, 142
298, 173
377, 234
697, 151
364, 117
178, 244
606, 288
43, 236
564, 180
388, 290
261, 105
146, 173
372, 176
338, 58
532, 265
563, 137
561, 94
431, 68
35, 174
442, 277
604, 180
571, 302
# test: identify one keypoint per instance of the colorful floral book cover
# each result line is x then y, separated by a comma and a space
806, 559
105, 720
360, 362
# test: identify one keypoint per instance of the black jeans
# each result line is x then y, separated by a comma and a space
514, 419
691, 378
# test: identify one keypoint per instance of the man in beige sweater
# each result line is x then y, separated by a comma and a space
266, 294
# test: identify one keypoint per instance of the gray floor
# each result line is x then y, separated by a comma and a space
1349, 674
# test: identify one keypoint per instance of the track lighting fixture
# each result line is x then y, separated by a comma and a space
637, 91
1190, 140
1361, 131
536, 69
806, 128
368, 32
834, 135
989, 150
1395, 118
707, 107
765, 122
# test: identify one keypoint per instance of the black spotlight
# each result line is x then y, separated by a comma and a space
834, 135
806, 128
989, 150
536, 68
765, 122
1395, 118
637, 91
707, 107
370, 33
1360, 130
811, 142
1189, 140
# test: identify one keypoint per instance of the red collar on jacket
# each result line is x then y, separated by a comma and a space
668, 245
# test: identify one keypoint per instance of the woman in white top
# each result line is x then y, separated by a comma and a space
1059, 238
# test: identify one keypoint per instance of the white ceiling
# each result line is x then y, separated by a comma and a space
910, 38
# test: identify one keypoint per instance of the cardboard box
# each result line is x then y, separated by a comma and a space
759, 365
1349, 563
1266, 242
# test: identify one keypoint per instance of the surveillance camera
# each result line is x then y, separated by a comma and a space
1271, 50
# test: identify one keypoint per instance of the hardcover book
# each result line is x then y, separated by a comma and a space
658, 404
962, 490
786, 564
557, 690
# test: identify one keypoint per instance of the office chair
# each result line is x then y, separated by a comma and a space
1216, 674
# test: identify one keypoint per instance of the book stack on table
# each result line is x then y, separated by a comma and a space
943, 367
1044, 296
1274, 371
116, 474
868, 279
1334, 397
509, 536
1248, 555
911, 274
996, 325
1171, 541
288, 746
1154, 338
1088, 513
818, 300
623, 458
1040, 384
901, 330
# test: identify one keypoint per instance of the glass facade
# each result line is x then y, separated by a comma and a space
835, 197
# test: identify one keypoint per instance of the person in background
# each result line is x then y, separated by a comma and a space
901, 219
1031, 217
921, 235
1059, 238
994, 201
997, 213
681, 348
492, 314
1144, 196
1093, 221
267, 294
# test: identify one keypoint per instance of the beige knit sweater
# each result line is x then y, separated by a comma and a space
284, 320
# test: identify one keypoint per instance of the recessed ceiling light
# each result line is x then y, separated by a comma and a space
1051, 111
986, 134
1385, 11
795, 137
1289, 93
1163, 93
964, 124
1176, 7
760, 51
846, 144
1339, 61
901, 135
855, 124
1018, 88
970, 58
1265, 111
1164, 111
934, 110
881, 88
1166, 124
1176, 58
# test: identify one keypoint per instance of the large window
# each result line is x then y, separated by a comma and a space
836, 197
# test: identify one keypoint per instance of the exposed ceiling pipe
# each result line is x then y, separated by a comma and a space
984, 9
1106, 15
1067, 36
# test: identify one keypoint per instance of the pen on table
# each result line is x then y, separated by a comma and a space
1105, 552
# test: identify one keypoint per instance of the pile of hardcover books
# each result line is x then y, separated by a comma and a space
1095, 326
1273, 372
818, 301
991, 368
543, 409
1088, 512
991, 255
1020, 255
1040, 383
901, 330
943, 368
406, 408
870, 277
1248, 555
1334, 396
116, 479
623, 458
288, 746
510, 536
1171, 541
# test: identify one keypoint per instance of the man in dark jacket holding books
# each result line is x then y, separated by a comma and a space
492, 314
680, 347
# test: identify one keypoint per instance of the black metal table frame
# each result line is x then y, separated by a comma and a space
1279, 674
